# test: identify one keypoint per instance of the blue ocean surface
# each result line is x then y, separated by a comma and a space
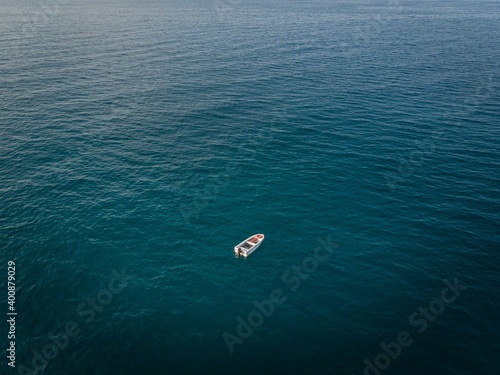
140, 142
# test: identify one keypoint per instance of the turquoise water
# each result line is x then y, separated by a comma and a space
156, 137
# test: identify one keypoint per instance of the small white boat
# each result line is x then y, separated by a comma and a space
248, 246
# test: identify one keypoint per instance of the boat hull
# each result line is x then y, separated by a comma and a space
248, 246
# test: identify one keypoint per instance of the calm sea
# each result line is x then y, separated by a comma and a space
140, 142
